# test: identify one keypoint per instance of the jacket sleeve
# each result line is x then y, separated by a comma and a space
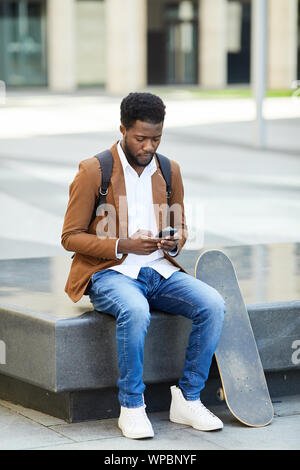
83, 193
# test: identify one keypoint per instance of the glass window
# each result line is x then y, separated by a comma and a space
23, 43
182, 42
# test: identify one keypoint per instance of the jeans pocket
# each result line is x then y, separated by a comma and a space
98, 274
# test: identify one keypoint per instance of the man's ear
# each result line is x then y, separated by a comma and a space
122, 129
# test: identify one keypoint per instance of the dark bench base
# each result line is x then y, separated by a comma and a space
85, 405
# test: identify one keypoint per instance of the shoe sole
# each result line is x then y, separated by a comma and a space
136, 436
198, 428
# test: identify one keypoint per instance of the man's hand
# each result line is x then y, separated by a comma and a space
167, 244
140, 243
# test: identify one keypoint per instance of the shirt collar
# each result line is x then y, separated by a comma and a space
151, 167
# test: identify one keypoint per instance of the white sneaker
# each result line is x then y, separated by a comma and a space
134, 423
192, 413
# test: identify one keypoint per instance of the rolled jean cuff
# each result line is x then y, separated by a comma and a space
191, 397
130, 402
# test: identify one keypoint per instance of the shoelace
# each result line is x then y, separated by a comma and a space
198, 406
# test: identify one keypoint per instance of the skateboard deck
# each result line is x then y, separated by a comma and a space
244, 386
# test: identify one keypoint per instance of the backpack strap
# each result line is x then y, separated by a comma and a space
106, 164
165, 166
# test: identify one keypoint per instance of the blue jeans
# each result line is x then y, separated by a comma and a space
130, 300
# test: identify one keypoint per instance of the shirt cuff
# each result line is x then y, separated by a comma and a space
174, 252
118, 255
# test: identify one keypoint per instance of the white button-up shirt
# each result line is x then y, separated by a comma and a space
141, 216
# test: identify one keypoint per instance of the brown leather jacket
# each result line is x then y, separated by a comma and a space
80, 233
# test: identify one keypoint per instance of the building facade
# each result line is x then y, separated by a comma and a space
129, 44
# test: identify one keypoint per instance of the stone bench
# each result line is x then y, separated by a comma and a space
61, 358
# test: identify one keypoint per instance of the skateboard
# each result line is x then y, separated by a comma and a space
244, 386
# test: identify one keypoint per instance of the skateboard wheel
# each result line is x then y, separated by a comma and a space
220, 394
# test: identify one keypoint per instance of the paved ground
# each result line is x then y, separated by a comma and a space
21, 428
235, 194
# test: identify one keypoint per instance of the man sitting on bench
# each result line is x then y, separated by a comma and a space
129, 269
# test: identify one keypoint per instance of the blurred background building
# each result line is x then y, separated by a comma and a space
130, 44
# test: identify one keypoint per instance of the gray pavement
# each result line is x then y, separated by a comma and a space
21, 428
234, 193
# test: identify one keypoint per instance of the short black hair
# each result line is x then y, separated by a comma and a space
143, 107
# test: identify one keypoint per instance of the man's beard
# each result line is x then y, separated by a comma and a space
132, 159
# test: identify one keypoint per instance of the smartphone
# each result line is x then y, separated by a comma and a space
166, 232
